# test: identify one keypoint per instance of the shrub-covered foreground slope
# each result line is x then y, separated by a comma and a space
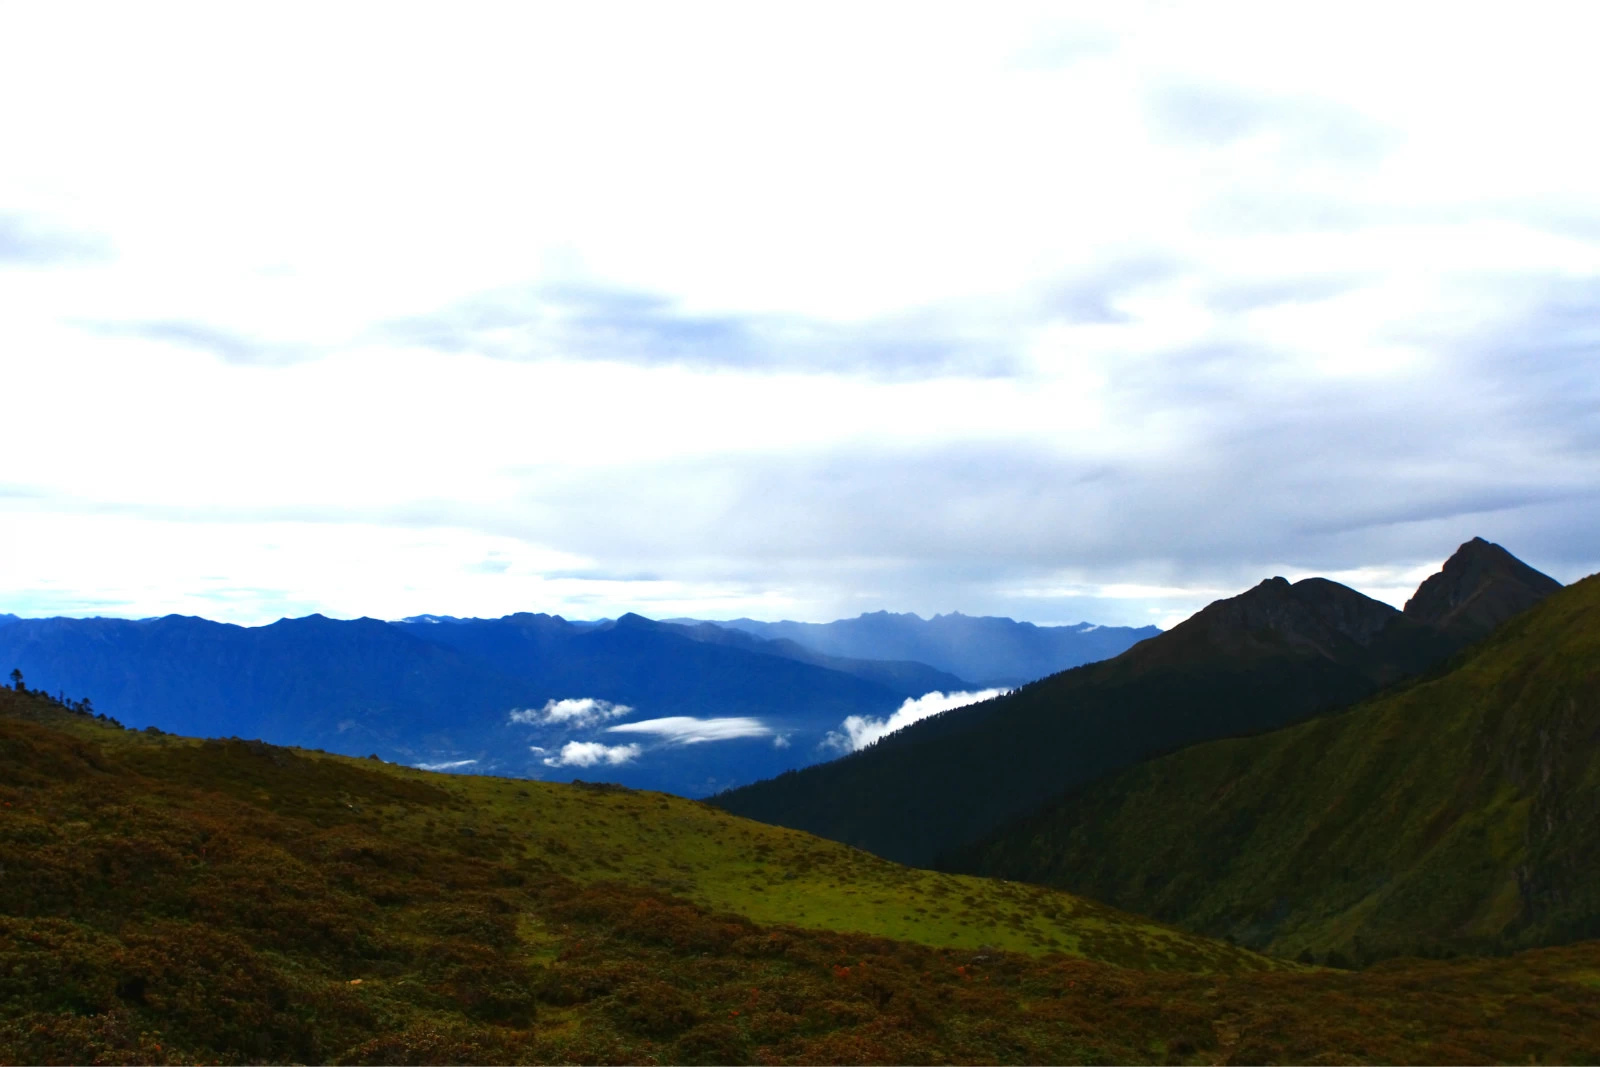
1459, 814
167, 901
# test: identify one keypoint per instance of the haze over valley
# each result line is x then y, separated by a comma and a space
692, 708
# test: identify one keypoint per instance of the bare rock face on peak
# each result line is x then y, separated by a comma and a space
1478, 588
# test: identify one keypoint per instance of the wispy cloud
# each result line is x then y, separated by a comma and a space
447, 765
859, 731
1307, 127
624, 326
688, 730
29, 241
227, 344
967, 338
591, 754
576, 713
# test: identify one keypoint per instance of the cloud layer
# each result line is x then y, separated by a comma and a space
1059, 318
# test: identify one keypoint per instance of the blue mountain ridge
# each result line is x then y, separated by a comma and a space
990, 650
440, 691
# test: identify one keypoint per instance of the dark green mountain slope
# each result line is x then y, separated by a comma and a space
1275, 655
1461, 813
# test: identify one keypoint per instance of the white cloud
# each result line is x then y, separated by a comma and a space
591, 753
780, 741
448, 765
574, 713
859, 731
687, 730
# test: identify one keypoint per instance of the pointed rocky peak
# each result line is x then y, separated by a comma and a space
1477, 589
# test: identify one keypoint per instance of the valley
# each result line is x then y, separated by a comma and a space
704, 707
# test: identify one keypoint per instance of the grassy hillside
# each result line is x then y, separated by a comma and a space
593, 833
1461, 814
166, 901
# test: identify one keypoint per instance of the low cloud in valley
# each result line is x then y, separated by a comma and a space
575, 713
591, 754
688, 730
859, 731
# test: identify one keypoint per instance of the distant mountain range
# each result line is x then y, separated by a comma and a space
689, 708
1277, 654
990, 651
1458, 814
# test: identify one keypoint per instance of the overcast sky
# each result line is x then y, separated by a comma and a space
1087, 312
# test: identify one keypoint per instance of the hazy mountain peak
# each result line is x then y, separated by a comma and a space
1478, 588
986, 650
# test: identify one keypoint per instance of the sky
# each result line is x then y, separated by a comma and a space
1073, 312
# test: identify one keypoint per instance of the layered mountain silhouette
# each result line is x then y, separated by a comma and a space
988, 651
442, 692
1459, 814
1275, 655
899, 675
